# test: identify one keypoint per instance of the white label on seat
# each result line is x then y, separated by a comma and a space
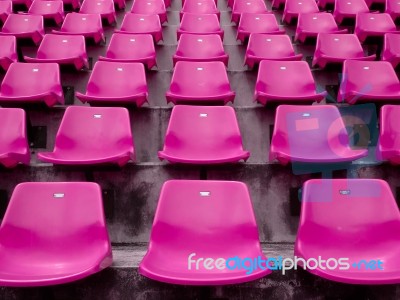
199, 40
83, 19
141, 19
283, 68
203, 115
300, 3
120, 69
366, 68
344, 192
48, 4
148, 3
132, 40
65, 41
336, 39
97, 116
200, 69
205, 194
198, 3
248, 3
372, 18
306, 115
314, 18
269, 40
348, 2
98, 3
35, 70
58, 195
26, 20
199, 19
257, 18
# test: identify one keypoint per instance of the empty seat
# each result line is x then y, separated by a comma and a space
247, 6
295, 7
311, 134
202, 220
126, 47
310, 25
105, 8
269, 47
200, 7
391, 49
24, 27
200, 47
92, 135
116, 83
257, 23
53, 233
393, 9
373, 25
88, 25
150, 7
5, 10
389, 139
62, 49
142, 24
355, 222
368, 81
200, 83
286, 81
8, 51
336, 48
348, 9
50, 10
25, 82
200, 24
195, 136
14, 147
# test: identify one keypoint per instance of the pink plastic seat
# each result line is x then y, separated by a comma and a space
194, 136
389, 140
336, 48
50, 10
8, 51
92, 135
200, 24
368, 81
286, 81
393, 9
310, 25
200, 7
391, 49
24, 27
150, 7
269, 47
62, 49
348, 9
125, 47
247, 6
105, 8
373, 25
197, 47
202, 219
88, 25
200, 83
116, 82
354, 219
257, 23
53, 233
5, 10
311, 134
142, 24
40, 83
295, 7
14, 147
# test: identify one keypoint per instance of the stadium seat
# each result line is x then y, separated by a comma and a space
389, 146
105, 8
310, 25
348, 9
85, 138
126, 47
202, 219
62, 49
373, 25
257, 23
150, 7
393, 9
8, 51
391, 49
88, 25
53, 233
196, 47
142, 24
116, 83
336, 48
247, 6
14, 146
295, 7
194, 136
200, 24
353, 224
200, 83
286, 82
40, 83
368, 81
24, 27
200, 7
50, 10
311, 134
269, 47
5, 10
